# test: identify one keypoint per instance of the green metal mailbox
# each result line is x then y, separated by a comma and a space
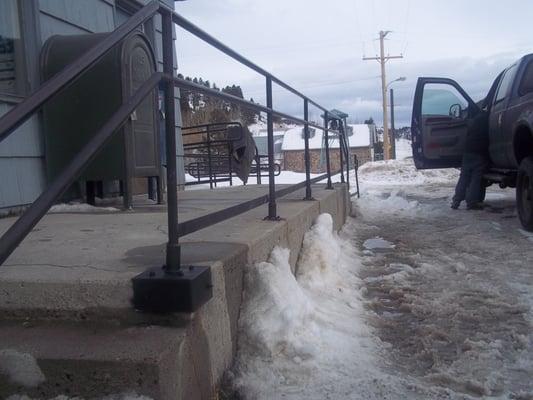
77, 112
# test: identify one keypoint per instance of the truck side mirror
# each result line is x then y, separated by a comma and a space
455, 110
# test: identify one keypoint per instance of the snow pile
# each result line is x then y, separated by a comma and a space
403, 172
20, 368
403, 149
285, 178
284, 308
373, 204
306, 337
79, 208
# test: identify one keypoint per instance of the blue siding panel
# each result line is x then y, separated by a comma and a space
25, 141
93, 15
51, 26
21, 181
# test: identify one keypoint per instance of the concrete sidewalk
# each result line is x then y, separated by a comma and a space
76, 269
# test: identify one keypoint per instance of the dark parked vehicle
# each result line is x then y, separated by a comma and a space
442, 111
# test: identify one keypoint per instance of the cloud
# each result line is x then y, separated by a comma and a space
317, 47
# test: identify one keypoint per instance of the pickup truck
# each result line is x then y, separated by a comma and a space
442, 111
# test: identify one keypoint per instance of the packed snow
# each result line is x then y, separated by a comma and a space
20, 368
307, 336
378, 243
411, 300
403, 172
453, 299
285, 178
79, 208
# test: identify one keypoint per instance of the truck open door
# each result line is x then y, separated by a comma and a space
441, 110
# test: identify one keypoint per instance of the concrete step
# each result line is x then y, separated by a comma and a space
71, 308
95, 361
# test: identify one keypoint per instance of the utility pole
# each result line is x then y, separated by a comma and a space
382, 59
393, 131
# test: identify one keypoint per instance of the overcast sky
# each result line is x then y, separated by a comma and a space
317, 47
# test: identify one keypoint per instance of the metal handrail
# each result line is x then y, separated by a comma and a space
19, 114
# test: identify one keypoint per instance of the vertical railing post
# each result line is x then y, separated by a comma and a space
341, 157
326, 136
347, 150
173, 247
209, 161
258, 166
272, 208
230, 166
307, 158
355, 169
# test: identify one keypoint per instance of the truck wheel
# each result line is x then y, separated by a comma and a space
524, 193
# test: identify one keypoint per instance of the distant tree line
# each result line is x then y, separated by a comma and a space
198, 108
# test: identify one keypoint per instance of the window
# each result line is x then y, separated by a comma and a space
526, 85
438, 99
504, 84
11, 60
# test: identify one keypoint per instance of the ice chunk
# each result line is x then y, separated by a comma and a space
20, 368
378, 243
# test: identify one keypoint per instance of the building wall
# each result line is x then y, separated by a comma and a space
22, 163
294, 160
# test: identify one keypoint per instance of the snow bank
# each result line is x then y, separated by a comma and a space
373, 204
403, 172
305, 337
79, 208
403, 149
285, 178
396, 187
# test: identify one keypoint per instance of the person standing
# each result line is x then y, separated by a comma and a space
474, 164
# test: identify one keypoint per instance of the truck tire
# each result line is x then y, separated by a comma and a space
524, 193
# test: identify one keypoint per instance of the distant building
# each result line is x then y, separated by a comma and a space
361, 140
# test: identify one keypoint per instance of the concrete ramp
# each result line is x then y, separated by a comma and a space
65, 294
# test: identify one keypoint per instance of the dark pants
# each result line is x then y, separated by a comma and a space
469, 187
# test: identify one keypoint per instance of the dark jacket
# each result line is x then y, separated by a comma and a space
477, 136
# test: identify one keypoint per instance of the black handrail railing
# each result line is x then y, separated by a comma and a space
217, 164
144, 288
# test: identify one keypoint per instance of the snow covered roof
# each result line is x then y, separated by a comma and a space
293, 139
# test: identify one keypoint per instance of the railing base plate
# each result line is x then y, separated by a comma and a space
184, 290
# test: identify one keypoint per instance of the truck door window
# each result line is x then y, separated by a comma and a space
442, 99
504, 84
526, 85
